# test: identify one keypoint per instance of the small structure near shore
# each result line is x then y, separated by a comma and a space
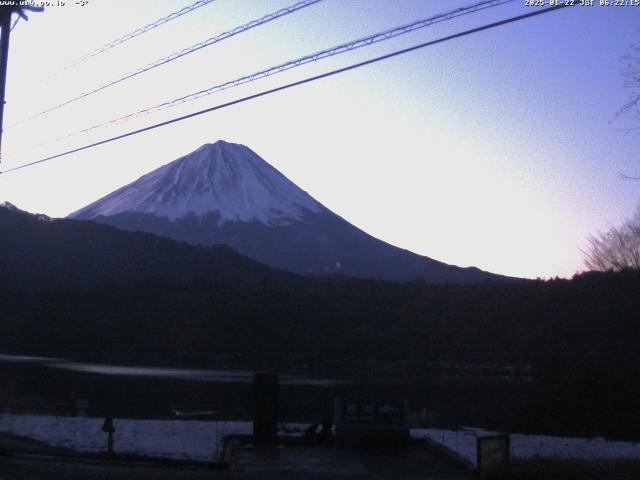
370, 423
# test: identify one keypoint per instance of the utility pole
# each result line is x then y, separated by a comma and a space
6, 11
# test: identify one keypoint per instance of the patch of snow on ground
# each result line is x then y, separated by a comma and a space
527, 446
180, 439
203, 440
463, 442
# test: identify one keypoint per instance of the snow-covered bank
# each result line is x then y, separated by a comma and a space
463, 442
180, 439
203, 440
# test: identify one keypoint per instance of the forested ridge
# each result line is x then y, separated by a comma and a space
576, 341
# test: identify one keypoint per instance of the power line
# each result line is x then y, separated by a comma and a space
174, 56
297, 83
131, 35
322, 54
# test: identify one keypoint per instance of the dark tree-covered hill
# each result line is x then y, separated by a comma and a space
37, 252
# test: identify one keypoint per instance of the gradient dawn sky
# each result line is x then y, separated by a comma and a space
501, 149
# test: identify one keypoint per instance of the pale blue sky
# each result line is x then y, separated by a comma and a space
498, 150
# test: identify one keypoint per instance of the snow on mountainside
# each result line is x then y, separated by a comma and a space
224, 193
224, 177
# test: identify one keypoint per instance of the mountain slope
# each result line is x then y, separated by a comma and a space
38, 252
224, 193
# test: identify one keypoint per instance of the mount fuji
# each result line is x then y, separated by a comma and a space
224, 193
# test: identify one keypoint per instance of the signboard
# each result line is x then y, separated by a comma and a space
370, 423
493, 454
382, 413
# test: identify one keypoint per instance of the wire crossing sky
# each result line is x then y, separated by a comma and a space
316, 56
131, 35
500, 150
174, 56
295, 84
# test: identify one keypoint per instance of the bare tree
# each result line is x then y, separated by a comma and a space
617, 248
631, 74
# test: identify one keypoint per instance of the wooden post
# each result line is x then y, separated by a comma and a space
109, 429
110, 444
265, 408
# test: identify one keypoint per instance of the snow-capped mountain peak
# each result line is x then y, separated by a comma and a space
241, 201
222, 177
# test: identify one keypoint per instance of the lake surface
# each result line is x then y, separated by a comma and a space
43, 385
201, 375
40, 385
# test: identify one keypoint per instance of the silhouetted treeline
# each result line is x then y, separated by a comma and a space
591, 318
573, 343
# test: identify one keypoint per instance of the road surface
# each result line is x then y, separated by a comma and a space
290, 463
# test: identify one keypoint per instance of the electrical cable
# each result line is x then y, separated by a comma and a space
322, 54
174, 56
297, 83
131, 35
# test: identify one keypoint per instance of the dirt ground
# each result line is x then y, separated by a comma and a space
286, 463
